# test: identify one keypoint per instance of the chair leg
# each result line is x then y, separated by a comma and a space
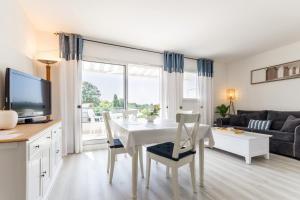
175, 182
108, 159
141, 161
148, 171
192, 169
167, 172
112, 165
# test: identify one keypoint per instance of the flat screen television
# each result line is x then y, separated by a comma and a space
28, 95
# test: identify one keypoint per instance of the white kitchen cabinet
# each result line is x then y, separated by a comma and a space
30, 163
34, 178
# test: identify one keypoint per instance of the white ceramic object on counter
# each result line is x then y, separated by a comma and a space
8, 119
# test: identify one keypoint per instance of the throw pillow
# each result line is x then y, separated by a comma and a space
237, 120
259, 124
290, 124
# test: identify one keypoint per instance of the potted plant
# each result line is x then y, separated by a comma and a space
151, 113
222, 110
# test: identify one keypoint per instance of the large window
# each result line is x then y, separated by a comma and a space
113, 88
189, 85
143, 86
102, 90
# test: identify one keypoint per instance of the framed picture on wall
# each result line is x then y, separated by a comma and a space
279, 72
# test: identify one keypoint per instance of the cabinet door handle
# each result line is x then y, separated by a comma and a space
37, 146
42, 175
57, 151
44, 172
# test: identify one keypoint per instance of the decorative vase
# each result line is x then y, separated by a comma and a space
150, 119
8, 119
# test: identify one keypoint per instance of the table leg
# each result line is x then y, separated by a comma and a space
201, 162
134, 173
248, 160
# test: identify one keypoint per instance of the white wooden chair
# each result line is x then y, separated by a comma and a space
179, 153
115, 147
130, 113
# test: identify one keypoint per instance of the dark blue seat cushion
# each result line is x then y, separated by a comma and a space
117, 144
166, 150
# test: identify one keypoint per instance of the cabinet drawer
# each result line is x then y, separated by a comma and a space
39, 144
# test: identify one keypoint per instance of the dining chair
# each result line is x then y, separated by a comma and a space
178, 153
115, 147
130, 113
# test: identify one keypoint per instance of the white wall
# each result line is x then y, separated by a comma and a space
17, 42
279, 95
47, 47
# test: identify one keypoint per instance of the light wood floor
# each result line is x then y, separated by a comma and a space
227, 177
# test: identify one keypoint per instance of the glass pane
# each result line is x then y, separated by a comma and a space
102, 90
189, 85
143, 86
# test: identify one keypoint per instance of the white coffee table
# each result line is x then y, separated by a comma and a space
246, 144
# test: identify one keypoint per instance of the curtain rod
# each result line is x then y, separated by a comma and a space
128, 47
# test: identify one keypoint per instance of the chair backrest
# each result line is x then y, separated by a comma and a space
186, 143
128, 113
184, 112
107, 119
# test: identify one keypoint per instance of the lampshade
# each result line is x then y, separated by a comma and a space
231, 94
47, 57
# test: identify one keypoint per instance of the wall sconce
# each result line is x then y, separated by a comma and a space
231, 96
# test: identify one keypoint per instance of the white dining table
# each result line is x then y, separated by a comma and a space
135, 133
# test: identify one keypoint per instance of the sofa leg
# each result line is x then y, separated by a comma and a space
267, 156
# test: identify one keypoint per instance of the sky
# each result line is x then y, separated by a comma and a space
141, 90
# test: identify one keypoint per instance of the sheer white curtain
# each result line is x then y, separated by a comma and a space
70, 98
172, 92
205, 90
70, 91
172, 84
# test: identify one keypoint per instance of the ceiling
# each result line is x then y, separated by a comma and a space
217, 29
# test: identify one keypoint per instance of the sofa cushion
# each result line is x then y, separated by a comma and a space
279, 117
252, 114
278, 135
259, 124
290, 124
237, 120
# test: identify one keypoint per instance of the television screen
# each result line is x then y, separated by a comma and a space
28, 95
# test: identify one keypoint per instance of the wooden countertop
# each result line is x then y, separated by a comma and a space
26, 131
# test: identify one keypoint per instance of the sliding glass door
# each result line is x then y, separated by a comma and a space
102, 90
113, 88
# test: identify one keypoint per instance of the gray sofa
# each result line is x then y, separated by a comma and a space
283, 143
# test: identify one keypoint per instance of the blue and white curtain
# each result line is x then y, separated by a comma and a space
70, 51
172, 84
205, 90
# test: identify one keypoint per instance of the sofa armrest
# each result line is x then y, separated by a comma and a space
297, 143
223, 121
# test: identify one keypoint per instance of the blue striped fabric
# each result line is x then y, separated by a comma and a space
259, 124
